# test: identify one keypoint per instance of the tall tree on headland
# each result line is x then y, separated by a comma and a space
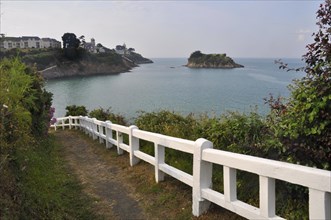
70, 45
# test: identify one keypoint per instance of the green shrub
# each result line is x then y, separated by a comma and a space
25, 111
104, 115
241, 133
304, 122
75, 110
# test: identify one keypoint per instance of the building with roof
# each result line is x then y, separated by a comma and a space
28, 42
122, 50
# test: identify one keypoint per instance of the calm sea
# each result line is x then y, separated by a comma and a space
167, 84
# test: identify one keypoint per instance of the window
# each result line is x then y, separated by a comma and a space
18, 45
10, 45
26, 45
37, 44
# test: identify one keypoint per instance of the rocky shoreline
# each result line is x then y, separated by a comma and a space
85, 68
219, 61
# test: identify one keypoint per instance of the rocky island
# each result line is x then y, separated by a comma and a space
200, 60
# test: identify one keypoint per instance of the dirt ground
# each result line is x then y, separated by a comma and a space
101, 179
120, 191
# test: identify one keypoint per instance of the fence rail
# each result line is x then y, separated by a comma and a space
317, 181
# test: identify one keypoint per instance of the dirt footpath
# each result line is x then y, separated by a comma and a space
124, 192
101, 179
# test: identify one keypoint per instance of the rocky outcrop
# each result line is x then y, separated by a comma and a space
138, 58
85, 68
200, 60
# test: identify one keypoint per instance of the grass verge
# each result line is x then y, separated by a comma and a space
48, 191
169, 199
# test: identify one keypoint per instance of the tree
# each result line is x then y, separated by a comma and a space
70, 41
305, 121
25, 107
70, 46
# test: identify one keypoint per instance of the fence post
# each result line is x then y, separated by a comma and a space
319, 204
63, 122
134, 145
267, 197
81, 124
202, 176
119, 138
109, 134
230, 184
70, 121
100, 128
76, 123
94, 129
159, 159
87, 126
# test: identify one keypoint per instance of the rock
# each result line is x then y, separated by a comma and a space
200, 60
84, 68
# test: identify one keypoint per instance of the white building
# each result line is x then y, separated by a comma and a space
122, 50
28, 42
90, 46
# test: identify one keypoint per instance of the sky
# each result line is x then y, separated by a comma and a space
259, 29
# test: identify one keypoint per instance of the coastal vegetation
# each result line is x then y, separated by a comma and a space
34, 183
74, 60
34, 180
296, 130
201, 60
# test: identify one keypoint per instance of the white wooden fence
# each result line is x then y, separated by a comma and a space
318, 181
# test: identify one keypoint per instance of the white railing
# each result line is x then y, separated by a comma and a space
317, 181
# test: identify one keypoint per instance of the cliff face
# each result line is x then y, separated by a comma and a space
138, 58
200, 60
85, 68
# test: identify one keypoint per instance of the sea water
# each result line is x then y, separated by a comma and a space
167, 84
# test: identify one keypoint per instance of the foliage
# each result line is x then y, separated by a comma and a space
15, 96
71, 46
110, 58
24, 115
75, 110
70, 41
24, 104
105, 115
168, 123
212, 60
305, 121
241, 133
40, 110
48, 192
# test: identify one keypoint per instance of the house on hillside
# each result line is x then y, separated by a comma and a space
28, 42
90, 46
95, 48
50, 43
122, 50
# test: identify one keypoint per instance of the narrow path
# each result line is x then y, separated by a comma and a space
100, 178
124, 192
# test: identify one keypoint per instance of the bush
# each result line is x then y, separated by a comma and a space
241, 133
25, 112
104, 115
75, 110
304, 123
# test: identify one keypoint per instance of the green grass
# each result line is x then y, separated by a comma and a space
48, 190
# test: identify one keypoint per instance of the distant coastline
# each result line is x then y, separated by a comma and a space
52, 63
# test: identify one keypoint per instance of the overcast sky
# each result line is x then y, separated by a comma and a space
276, 29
